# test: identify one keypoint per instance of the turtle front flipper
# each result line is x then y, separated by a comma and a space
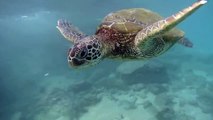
143, 38
69, 31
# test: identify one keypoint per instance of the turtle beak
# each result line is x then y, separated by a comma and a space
75, 62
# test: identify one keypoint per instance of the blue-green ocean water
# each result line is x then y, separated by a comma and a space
37, 84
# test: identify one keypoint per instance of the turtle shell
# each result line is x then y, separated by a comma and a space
133, 20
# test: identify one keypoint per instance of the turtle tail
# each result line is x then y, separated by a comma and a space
162, 26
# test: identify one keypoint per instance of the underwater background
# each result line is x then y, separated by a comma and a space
36, 82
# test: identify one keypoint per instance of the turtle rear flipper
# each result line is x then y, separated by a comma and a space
185, 42
69, 31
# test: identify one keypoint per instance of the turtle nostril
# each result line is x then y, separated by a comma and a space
69, 58
72, 54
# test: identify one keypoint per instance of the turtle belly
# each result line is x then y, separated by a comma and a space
120, 44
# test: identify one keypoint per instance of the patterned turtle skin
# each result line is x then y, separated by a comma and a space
135, 33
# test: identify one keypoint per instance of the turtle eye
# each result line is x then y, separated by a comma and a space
83, 53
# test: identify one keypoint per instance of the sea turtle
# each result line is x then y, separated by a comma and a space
135, 33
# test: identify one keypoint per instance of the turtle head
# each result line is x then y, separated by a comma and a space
87, 51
